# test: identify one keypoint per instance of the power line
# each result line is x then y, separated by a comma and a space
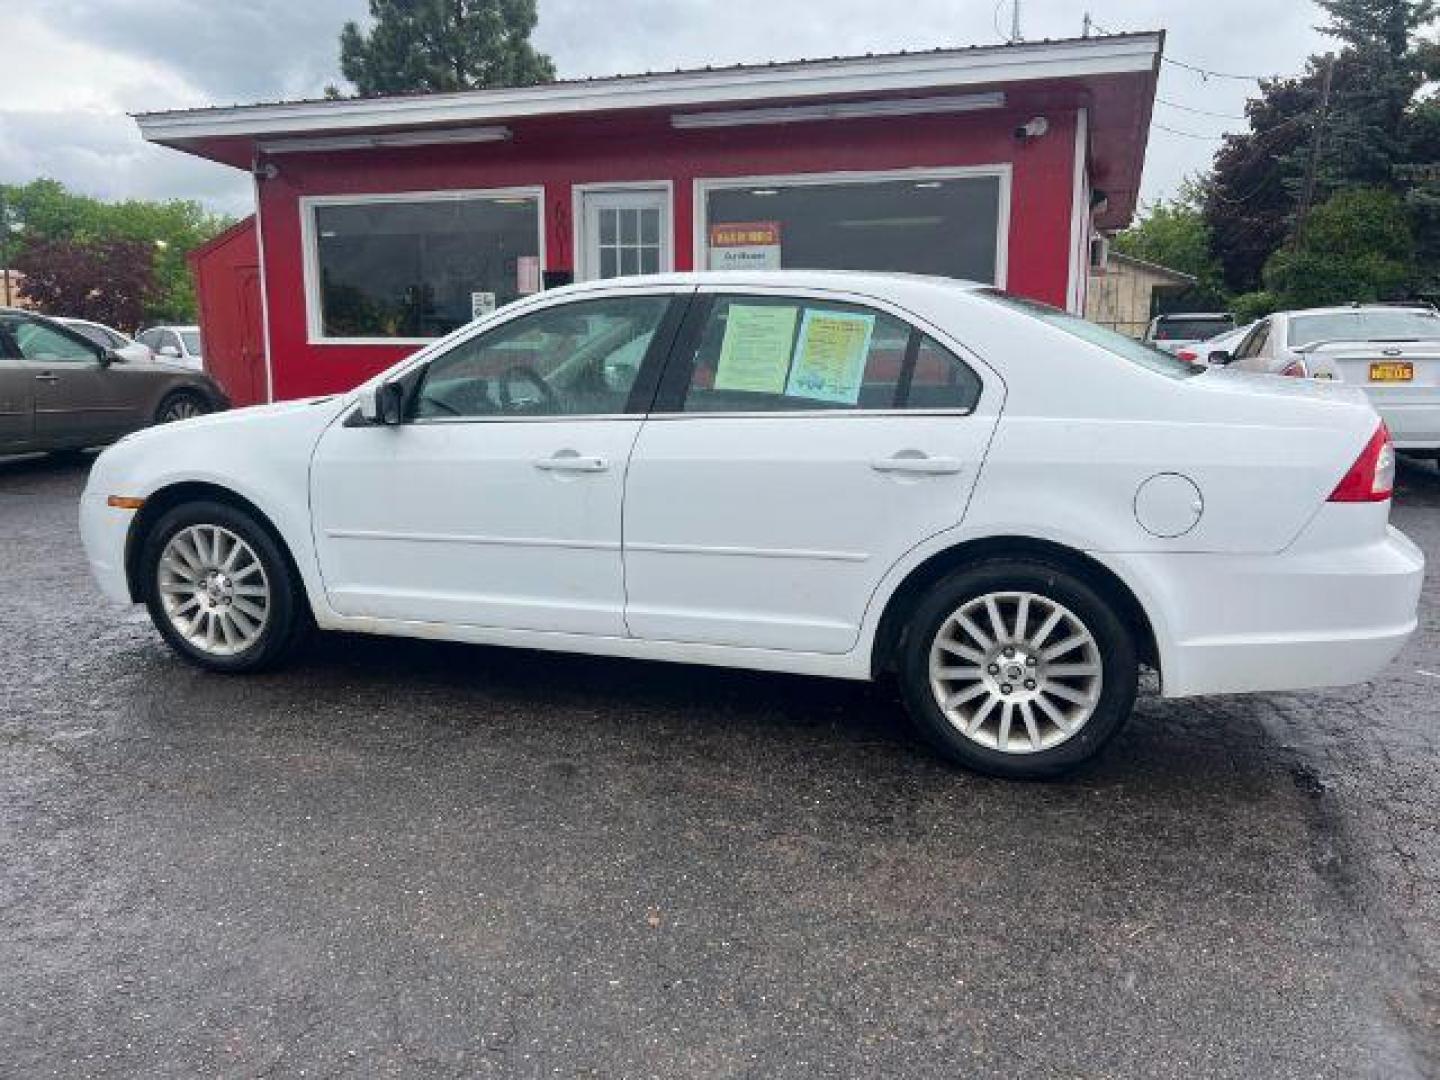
1204, 72
1188, 134
1201, 112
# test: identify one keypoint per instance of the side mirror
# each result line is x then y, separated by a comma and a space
109, 356
383, 404
1220, 357
170, 351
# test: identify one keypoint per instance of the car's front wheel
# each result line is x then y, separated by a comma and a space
220, 590
1018, 668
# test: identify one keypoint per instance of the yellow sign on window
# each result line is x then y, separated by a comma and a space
830, 356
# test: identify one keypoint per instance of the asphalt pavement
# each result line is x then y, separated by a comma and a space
415, 859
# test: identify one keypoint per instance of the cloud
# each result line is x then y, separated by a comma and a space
75, 67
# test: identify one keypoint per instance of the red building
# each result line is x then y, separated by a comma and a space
382, 223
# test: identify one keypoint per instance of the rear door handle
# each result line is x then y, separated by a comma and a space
930, 466
572, 462
47, 377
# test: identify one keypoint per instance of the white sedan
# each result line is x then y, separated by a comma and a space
108, 338
1390, 352
832, 474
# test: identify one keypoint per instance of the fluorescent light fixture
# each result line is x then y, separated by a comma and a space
432, 137
765, 191
928, 184
839, 110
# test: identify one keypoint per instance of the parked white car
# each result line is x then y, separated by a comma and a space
1183, 329
1220, 347
180, 344
823, 473
1391, 353
109, 338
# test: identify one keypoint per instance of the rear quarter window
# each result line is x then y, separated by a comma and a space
1138, 353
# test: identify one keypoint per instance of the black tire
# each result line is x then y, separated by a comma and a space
182, 405
289, 619
1118, 660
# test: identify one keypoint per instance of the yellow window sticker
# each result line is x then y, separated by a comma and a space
830, 356
755, 353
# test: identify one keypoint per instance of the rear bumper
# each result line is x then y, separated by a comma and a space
1301, 619
1411, 414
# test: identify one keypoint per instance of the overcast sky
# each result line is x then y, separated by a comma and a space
74, 68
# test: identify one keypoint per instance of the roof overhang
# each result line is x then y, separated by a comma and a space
235, 134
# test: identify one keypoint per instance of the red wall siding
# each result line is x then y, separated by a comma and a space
557, 154
227, 284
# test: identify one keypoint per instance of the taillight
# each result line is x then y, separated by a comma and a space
1295, 369
1372, 477
1188, 355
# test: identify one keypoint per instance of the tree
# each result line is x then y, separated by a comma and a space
1258, 176
443, 45
1358, 246
1251, 194
109, 281
1175, 234
45, 211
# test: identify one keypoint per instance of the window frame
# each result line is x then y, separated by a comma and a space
1003, 171
310, 249
1264, 326
578, 236
674, 381
679, 300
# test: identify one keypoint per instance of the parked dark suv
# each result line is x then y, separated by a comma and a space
61, 391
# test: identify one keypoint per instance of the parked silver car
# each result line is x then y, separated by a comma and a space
1178, 330
61, 391
108, 337
178, 343
1392, 352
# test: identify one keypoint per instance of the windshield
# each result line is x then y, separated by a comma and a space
1191, 329
192, 341
1363, 324
1147, 356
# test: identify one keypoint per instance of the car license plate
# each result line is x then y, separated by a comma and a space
1392, 371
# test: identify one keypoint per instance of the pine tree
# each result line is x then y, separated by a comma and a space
443, 45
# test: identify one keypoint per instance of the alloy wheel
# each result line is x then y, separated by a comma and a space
1015, 672
182, 408
213, 589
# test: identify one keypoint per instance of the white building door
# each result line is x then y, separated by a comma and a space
624, 231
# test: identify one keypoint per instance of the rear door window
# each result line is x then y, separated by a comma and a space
787, 354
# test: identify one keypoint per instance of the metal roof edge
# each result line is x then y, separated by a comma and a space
890, 73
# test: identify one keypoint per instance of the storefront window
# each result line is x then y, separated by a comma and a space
419, 268
925, 225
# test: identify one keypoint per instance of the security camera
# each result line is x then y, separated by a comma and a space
268, 171
1032, 128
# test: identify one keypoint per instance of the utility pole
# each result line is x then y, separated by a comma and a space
5, 248
1307, 195
1085, 26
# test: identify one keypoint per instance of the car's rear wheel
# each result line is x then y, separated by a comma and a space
220, 590
1018, 669
181, 405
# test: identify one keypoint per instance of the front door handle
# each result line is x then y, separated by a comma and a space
920, 463
573, 462
47, 377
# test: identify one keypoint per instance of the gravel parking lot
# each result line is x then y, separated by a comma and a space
404, 858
